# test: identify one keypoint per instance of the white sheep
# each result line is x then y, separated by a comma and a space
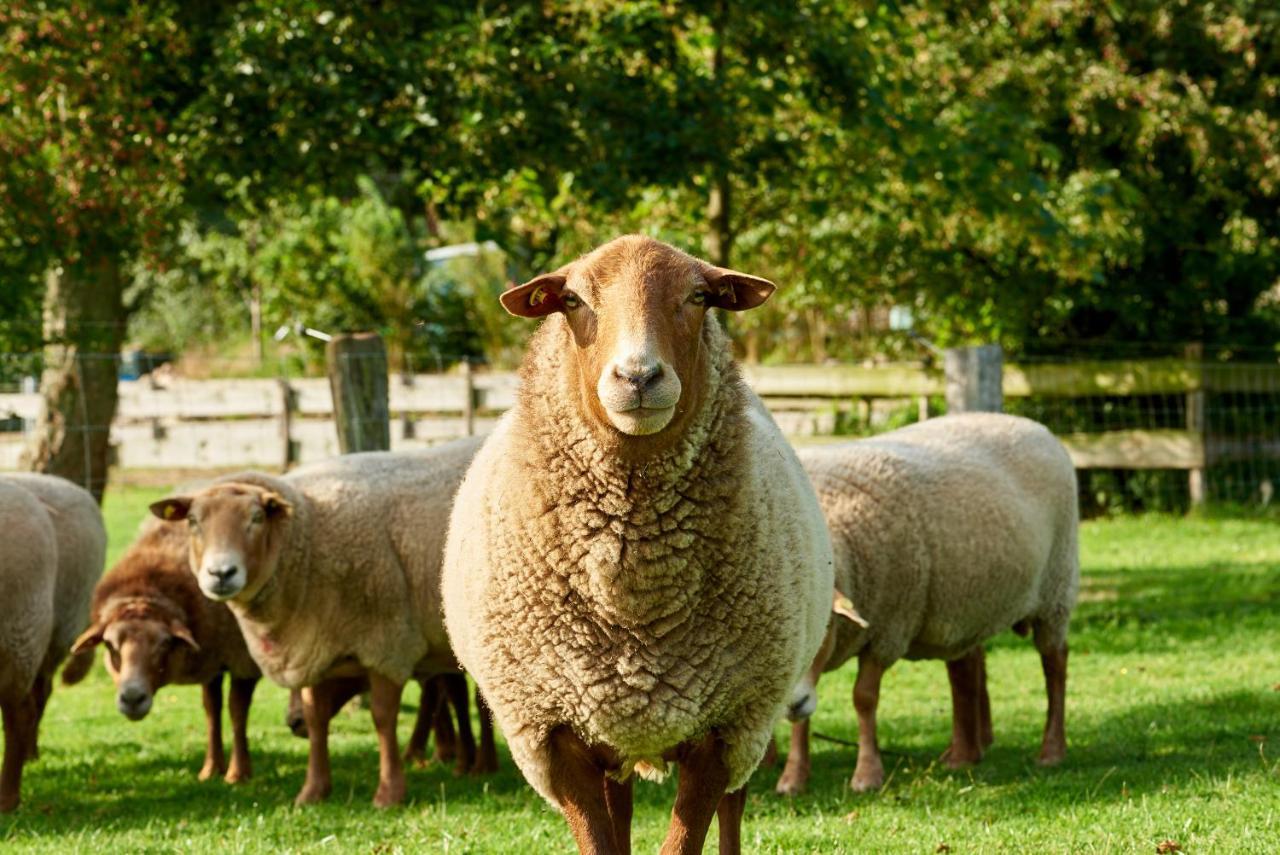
945, 533
55, 545
637, 571
334, 571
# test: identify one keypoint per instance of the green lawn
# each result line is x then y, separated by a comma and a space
1173, 724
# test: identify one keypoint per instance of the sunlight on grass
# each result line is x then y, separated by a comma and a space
1173, 724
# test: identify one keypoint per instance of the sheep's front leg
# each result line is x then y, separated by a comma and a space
729, 816
869, 773
965, 675
704, 775
455, 686
241, 768
985, 733
317, 708
577, 781
215, 761
618, 797
487, 754
40, 691
384, 703
1054, 746
795, 775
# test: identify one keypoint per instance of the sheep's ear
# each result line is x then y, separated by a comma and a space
737, 292
88, 639
172, 509
180, 631
276, 505
843, 606
538, 297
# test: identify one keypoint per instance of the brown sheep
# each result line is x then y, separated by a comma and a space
159, 629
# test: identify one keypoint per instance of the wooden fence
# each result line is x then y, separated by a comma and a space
186, 424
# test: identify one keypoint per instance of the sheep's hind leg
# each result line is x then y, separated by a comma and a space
795, 775
241, 768
455, 686
965, 675
1054, 746
985, 733
578, 784
428, 718
384, 703
215, 760
618, 798
19, 719
869, 774
704, 775
729, 816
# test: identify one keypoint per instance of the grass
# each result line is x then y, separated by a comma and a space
1173, 725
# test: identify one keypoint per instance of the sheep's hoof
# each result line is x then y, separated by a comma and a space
484, 766
312, 794
960, 758
1051, 756
416, 757
210, 770
790, 785
389, 794
236, 776
8, 804
866, 780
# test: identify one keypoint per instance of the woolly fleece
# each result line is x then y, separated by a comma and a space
642, 607
80, 552
358, 579
948, 532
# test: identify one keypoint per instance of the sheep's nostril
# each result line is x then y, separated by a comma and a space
132, 696
224, 573
639, 378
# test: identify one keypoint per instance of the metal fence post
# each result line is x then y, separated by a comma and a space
974, 377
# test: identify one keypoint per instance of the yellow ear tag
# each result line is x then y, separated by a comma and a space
538, 296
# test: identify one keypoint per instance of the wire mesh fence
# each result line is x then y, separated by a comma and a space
1149, 431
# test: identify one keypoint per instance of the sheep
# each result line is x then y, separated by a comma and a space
945, 533
159, 629
637, 570
55, 545
332, 571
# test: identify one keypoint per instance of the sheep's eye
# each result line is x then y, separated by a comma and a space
570, 300
698, 298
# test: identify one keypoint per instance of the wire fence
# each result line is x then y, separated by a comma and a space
1151, 431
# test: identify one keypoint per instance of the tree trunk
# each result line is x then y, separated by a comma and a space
84, 325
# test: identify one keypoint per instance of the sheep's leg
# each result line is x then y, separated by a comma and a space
19, 719
241, 768
455, 686
40, 691
729, 816
293, 717
618, 797
487, 755
985, 734
428, 713
578, 784
965, 675
795, 775
215, 761
1054, 746
384, 703
869, 773
317, 709
770, 758
704, 775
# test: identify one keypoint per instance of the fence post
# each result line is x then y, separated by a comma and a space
974, 377
357, 366
1195, 422
469, 398
288, 405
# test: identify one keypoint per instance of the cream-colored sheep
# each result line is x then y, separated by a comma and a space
334, 571
945, 534
637, 571
55, 547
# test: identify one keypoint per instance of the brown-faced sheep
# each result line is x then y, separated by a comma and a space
637, 571
945, 533
333, 571
159, 629
54, 549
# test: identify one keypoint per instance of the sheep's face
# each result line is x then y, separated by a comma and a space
635, 308
142, 650
235, 536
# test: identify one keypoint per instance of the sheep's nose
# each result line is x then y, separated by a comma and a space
639, 376
132, 696
223, 573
